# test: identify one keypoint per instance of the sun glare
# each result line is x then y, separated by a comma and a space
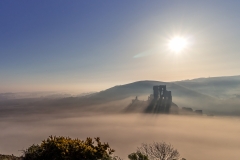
177, 44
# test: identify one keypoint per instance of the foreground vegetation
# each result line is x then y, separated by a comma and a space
65, 148
9, 157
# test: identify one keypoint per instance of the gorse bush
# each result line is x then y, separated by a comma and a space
65, 148
9, 157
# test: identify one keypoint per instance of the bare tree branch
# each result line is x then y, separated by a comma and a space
159, 151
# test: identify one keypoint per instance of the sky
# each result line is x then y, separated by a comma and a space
85, 46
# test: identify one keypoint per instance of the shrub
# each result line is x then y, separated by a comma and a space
137, 156
65, 148
9, 157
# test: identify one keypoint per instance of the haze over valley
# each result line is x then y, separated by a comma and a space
215, 96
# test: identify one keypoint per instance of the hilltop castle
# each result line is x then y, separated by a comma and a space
160, 101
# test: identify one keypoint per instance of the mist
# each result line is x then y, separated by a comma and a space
27, 119
195, 137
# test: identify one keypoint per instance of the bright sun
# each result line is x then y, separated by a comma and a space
177, 44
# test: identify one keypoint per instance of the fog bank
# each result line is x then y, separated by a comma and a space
196, 138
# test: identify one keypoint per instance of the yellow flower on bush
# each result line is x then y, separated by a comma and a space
65, 148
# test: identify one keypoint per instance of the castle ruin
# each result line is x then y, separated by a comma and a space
160, 101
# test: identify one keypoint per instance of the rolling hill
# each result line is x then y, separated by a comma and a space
219, 87
204, 94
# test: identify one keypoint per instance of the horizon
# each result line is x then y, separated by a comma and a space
73, 93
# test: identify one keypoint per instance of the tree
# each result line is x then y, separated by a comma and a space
159, 151
137, 156
65, 148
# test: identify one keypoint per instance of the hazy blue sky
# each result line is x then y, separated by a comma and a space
92, 45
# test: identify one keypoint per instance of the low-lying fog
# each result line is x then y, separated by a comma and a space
196, 138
